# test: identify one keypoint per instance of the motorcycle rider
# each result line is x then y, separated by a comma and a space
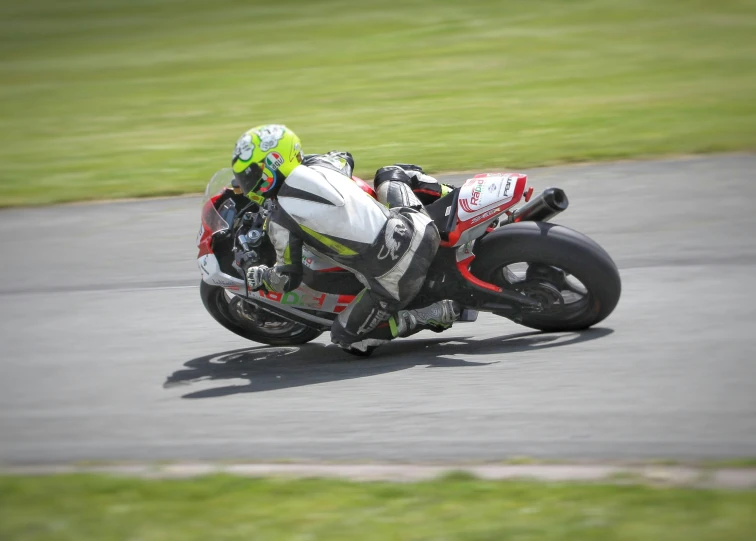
388, 244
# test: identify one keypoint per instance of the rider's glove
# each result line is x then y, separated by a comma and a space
256, 277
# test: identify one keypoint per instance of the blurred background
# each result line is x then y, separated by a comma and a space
116, 98
109, 357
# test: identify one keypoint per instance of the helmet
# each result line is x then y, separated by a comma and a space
264, 156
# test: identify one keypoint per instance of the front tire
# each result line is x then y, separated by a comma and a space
275, 331
547, 248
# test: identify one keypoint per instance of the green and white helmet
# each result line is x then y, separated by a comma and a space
264, 156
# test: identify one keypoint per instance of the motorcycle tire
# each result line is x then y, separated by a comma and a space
556, 246
215, 302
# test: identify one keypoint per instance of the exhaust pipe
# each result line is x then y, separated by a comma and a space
542, 208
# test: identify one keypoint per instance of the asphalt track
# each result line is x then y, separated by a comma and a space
108, 354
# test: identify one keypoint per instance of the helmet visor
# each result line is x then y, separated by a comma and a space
249, 179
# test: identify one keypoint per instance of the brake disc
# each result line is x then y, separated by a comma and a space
246, 311
549, 298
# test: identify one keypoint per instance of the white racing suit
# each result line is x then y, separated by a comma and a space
388, 244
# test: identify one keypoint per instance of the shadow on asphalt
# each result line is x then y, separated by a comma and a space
269, 368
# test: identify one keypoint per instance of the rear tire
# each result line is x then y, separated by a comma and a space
216, 303
557, 246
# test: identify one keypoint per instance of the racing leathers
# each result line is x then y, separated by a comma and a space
387, 243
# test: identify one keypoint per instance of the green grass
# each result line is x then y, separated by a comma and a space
144, 97
81, 508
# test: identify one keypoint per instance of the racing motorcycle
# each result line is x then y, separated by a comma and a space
493, 257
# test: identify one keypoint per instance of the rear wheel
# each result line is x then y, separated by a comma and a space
251, 323
575, 281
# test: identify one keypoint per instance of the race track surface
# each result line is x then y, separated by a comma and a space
108, 354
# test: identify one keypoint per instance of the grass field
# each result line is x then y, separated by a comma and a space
143, 97
83, 508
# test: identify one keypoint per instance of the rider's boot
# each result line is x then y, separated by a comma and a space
437, 317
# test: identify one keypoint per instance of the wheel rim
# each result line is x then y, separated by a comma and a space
560, 293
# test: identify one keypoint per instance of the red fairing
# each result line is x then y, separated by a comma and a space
365, 187
205, 247
205, 241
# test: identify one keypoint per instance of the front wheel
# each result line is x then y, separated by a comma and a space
257, 325
575, 281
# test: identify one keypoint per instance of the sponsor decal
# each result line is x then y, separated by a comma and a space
476, 191
396, 232
273, 161
294, 298
202, 265
486, 214
244, 148
270, 136
465, 204
375, 318
468, 204
304, 299
223, 282
507, 185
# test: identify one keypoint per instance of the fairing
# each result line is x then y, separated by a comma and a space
481, 200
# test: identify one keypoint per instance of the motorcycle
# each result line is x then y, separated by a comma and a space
493, 257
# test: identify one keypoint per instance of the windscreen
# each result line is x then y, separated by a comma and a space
212, 218
218, 182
